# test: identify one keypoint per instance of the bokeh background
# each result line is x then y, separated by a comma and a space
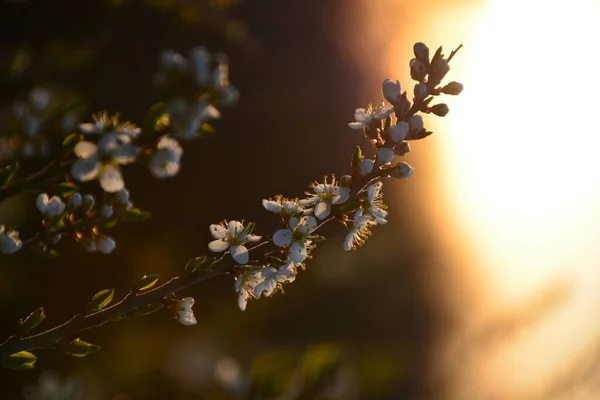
485, 283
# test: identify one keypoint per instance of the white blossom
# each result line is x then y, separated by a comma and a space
274, 278
232, 237
165, 162
9, 241
361, 222
325, 195
245, 284
391, 90
297, 237
102, 161
375, 203
399, 131
186, 119
50, 207
184, 313
284, 206
364, 117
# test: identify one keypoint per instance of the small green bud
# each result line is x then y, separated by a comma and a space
357, 157
22, 360
101, 300
32, 320
146, 282
441, 110
79, 348
453, 88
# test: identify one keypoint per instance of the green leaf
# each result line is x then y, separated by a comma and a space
79, 348
101, 299
22, 360
148, 309
147, 282
32, 320
193, 264
8, 173
66, 188
135, 214
71, 140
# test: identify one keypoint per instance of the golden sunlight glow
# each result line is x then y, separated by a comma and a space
520, 167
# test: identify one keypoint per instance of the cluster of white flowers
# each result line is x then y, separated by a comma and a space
188, 113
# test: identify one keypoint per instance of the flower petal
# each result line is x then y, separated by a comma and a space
111, 179
85, 169
298, 252
234, 228
240, 254
322, 210
125, 154
85, 149
282, 237
356, 125
218, 245
307, 224
218, 231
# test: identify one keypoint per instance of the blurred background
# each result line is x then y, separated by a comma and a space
485, 283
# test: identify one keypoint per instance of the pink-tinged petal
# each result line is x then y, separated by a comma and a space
85, 169
111, 179
282, 237
218, 231
298, 252
240, 254
234, 228
307, 224
218, 245
85, 149
322, 210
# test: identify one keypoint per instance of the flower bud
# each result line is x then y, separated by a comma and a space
402, 148
122, 196
366, 166
421, 91
399, 131
88, 201
453, 88
418, 71
74, 200
415, 123
400, 171
421, 52
106, 211
89, 244
391, 90
385, 155
105, 244
440, 110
